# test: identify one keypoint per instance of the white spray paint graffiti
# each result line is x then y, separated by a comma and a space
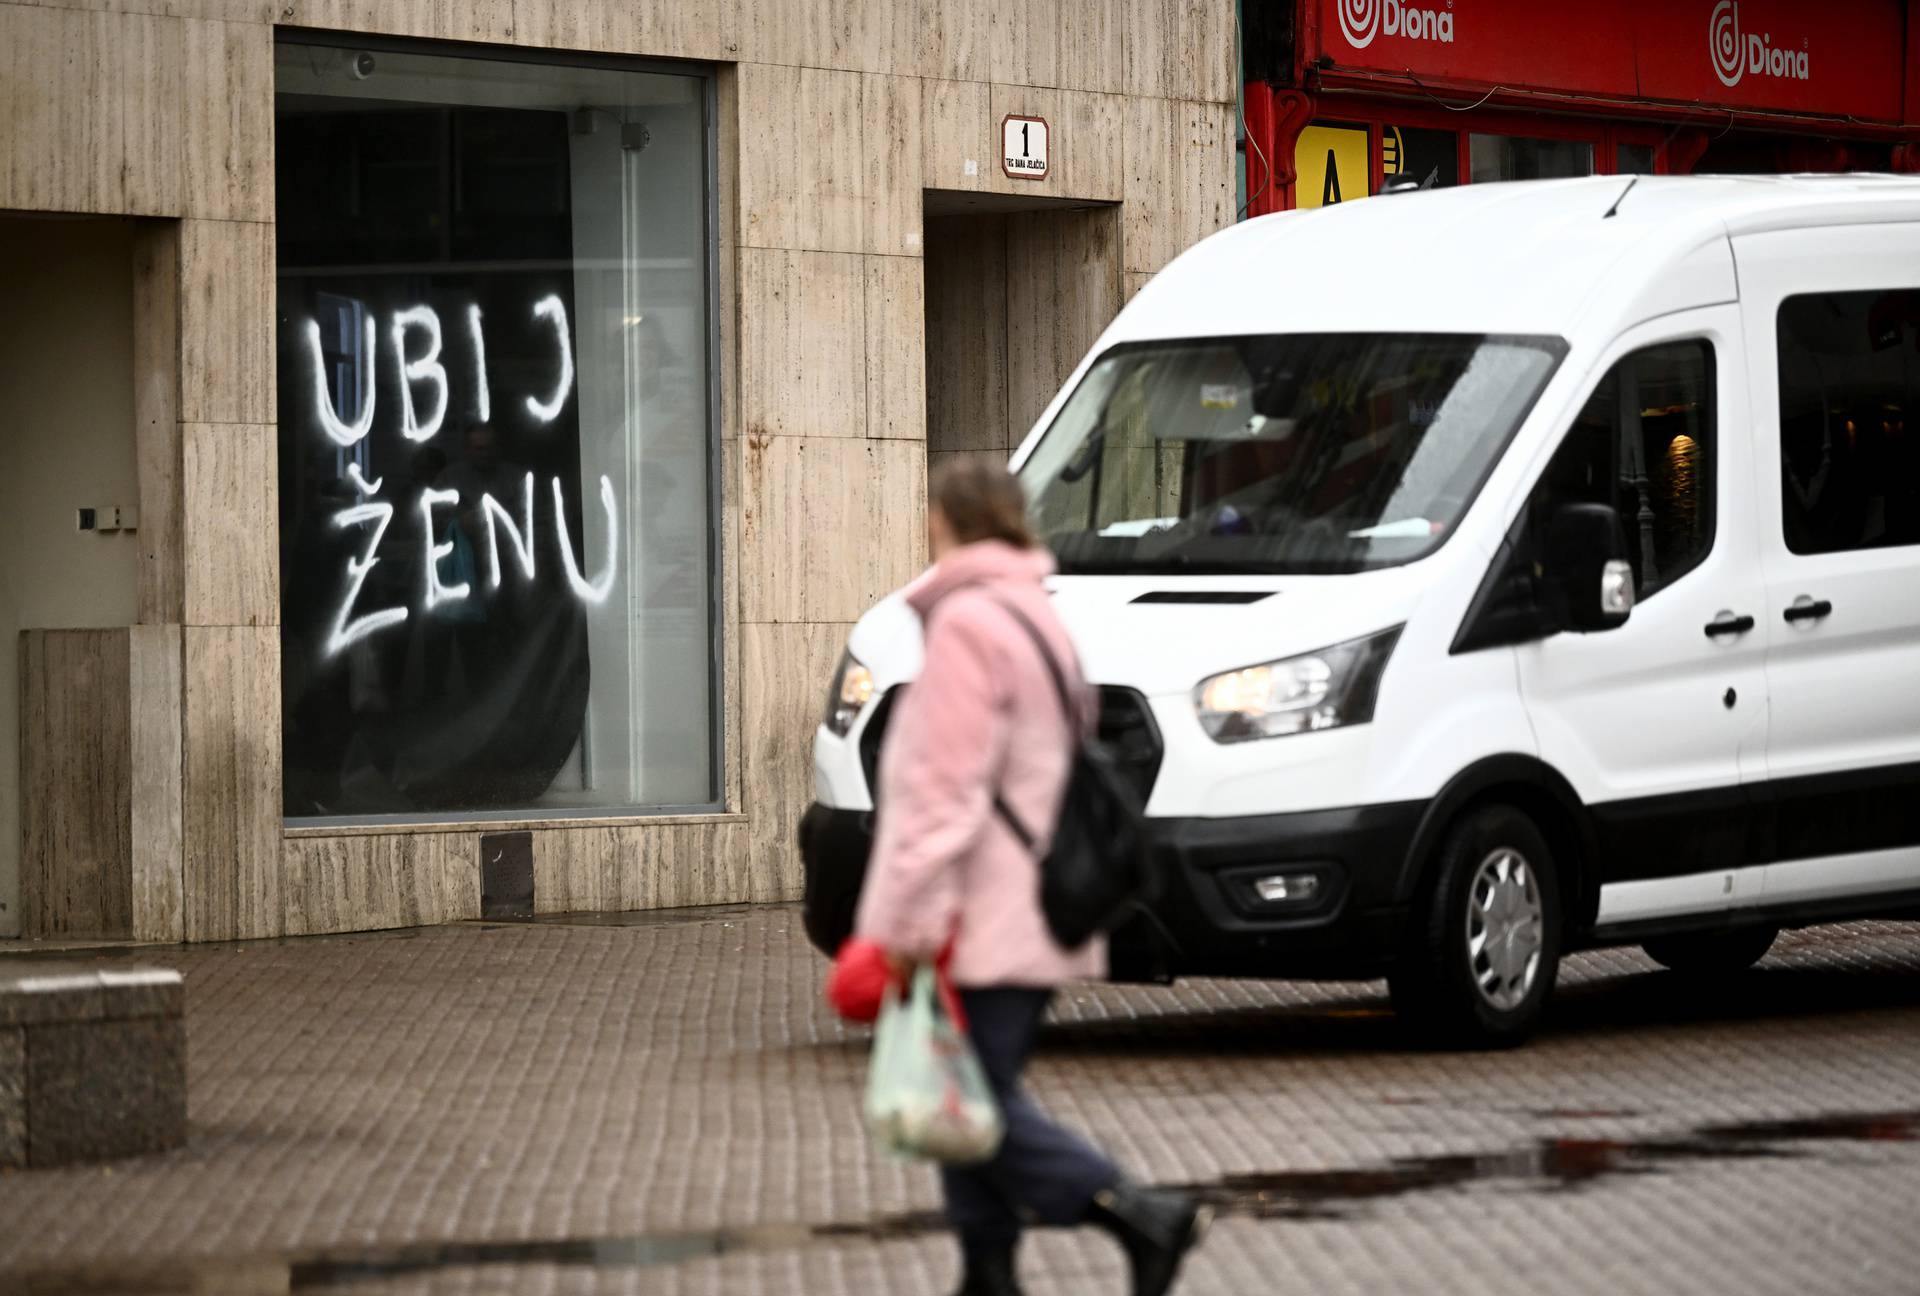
550, 307
348, 629
436, 592
346, 633
521, 535
360, 482
480, 363
427, 367
341, 433
594, 592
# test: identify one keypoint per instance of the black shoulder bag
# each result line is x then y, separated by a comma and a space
1098, 865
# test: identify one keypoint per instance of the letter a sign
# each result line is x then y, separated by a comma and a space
1331, 162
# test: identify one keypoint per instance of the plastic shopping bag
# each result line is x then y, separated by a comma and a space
926, 1094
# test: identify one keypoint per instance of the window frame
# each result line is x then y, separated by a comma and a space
720, 578
1535, 507
1787, 544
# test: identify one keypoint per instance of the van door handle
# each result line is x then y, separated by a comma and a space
1728, 624
1808, 609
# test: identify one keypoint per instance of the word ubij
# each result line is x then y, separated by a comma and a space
421, 422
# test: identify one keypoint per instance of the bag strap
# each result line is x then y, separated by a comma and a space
1027, 839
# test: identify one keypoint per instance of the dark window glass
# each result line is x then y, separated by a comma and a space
1430, 157
1644, 442
1849, 459
496, 532
1633, 159
1507, 157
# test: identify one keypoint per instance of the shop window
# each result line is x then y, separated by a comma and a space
1429, 157
1633, 159
1508, 157
1645, 443
1849, 460
497, 521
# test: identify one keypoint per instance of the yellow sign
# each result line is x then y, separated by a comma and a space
1331, 163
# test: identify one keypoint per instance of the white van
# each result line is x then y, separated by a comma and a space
1479, 575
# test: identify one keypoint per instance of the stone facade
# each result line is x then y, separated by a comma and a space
838, 122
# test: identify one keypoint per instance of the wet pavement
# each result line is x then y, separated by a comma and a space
659, 1104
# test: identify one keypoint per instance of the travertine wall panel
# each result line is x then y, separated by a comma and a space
155, 677
228, 487
656, 866
788, 667
829, 161
830, 525
956, 39
156, 411
896, 375
1078, 46
1180, 49
856, 35
92, 109
231, 783
75, 833
1179, 177
226, 134
226, 322
1084, 142
688, 30
336, 884
802, 330
135, 113
962, 130
469, 20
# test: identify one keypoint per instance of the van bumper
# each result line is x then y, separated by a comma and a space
1208, 920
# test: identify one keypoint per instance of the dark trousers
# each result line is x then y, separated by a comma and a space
1041, 1170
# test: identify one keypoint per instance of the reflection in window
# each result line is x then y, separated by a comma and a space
1633, 159
1430, 158
1849, 448
1644, 443
1505, 157
495, 530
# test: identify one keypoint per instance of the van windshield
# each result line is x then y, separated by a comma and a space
1286, 454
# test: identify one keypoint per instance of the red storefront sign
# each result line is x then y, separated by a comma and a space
1838, 59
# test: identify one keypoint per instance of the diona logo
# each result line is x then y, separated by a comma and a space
1734, 58
1362, 20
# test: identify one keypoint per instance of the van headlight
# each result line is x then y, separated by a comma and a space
1317, 690
852, 689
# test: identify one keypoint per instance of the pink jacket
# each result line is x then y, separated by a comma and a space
983, 716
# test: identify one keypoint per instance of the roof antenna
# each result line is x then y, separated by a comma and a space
1622, 198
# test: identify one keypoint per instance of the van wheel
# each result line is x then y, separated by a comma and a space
1719, 953
1480, 962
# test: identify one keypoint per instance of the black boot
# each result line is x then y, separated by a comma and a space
1156, 1227
987, 1270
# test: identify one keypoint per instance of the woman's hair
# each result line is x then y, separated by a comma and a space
981, 500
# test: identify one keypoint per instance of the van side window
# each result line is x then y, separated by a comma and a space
1644, 443
1849, 460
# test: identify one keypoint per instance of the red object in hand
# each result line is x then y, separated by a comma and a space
858, 982
861, 973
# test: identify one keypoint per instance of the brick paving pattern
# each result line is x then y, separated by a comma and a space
677, 1084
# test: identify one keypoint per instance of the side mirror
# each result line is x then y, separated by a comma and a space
1587, 578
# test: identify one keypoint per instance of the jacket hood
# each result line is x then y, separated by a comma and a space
985, 562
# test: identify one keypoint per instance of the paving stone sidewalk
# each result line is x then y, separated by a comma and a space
494, 1107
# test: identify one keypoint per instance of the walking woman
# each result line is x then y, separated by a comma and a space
982, 724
